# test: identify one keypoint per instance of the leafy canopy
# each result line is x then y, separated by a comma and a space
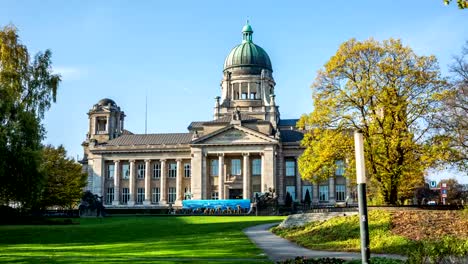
65, 178
389, 93
27, 89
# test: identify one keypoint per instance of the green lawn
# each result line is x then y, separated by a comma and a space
191, 239
343, 234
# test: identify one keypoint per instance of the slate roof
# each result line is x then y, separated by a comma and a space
288, 122
291, 135
151, 139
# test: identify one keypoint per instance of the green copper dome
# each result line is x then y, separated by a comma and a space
247, 55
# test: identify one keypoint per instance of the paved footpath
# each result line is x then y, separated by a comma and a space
277, 248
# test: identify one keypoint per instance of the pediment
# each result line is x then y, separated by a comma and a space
235, 135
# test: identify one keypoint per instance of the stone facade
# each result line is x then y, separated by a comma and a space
246, 148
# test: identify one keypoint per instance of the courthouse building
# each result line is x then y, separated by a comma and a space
246, 148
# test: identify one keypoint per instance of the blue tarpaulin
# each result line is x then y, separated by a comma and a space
215, 204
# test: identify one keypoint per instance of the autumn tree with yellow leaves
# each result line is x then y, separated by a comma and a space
389, 93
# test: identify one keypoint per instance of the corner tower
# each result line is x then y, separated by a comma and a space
248, 84
106, 121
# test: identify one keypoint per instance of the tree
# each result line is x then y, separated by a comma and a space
462, 4
452, 120
26, 91
455, 191
65, 179
390, 94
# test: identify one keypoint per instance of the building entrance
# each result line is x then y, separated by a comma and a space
235, 193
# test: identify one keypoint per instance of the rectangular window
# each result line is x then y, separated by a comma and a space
187, 170
172, 170
155, 195
340, 192
171, 195
156, 171
109, 195
340, 167
290, 168
125, 171
110, 171
292, 191
244, 96
236, 167
101, 123
141, 170
323, 193
252, 96
125, 195
306, 188
214, 196
214, 167
140, 195
256, 167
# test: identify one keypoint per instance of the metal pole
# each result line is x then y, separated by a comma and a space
361, 182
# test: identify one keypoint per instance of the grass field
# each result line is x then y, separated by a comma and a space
188, 239
418, 234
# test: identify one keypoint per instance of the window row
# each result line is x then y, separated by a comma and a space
291, 166
323, 192
140, 195
256, 168
141, 170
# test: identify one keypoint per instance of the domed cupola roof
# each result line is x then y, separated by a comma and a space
106, 101
247, 56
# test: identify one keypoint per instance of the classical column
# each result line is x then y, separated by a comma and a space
131, 183
331, 189
246, 177
263, 186
179, 182
147, 200
221, 176
116, 182
315, 194
163, 182
298, 182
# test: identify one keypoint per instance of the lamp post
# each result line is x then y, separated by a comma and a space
361, 182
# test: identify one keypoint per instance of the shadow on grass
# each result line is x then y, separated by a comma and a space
136, 238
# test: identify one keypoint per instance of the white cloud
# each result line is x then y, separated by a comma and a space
70, 73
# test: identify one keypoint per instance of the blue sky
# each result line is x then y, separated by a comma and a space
174, 51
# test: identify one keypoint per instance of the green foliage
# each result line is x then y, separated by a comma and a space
389, 93
26, 91
170, 239
439, 251
462, 4
65, 178
342, 234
